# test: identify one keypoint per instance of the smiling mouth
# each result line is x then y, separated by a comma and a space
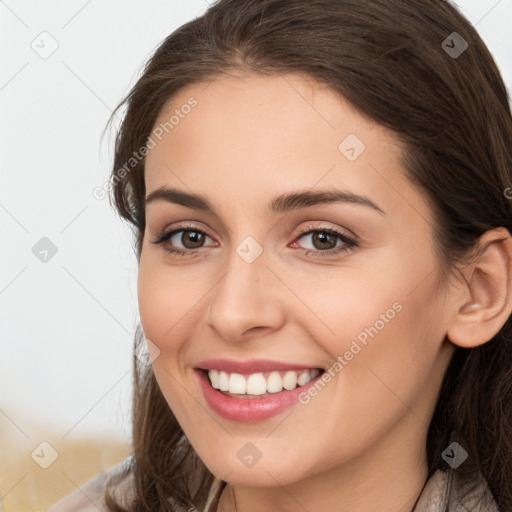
261, 384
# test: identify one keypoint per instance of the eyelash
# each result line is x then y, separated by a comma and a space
350, 243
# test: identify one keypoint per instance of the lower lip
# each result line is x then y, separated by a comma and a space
249, 410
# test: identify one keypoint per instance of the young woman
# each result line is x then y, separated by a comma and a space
320, 193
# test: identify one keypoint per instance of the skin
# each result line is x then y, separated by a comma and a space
359, 445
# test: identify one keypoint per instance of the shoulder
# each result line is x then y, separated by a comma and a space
89, 497
447, 490
472, 494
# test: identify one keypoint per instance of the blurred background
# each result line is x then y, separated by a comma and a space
68, 296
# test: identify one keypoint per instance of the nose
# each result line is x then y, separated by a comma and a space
246, 301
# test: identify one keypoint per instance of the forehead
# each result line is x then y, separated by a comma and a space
255, 135
266, 111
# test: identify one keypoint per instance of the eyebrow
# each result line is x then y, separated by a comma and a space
280, 204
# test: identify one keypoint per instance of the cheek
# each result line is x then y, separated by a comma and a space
350, 309
166, 298
383, 332
166, 306
389, 302
383, 371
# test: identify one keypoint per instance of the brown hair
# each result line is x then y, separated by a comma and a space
451, 113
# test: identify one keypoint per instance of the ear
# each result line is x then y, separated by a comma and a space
484, 303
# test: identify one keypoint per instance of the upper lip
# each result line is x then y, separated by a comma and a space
250, 366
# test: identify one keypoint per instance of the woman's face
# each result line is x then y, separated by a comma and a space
262, 275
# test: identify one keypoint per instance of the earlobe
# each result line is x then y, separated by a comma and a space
489, 287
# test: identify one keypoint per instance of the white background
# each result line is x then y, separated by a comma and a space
67, 325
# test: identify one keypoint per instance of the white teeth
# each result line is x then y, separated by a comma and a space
290, 380
237, 384
274, 383
257, 384
223, 381
303, 378
214, 378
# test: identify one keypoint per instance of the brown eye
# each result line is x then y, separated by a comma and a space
182, 241
323, 240
192, 239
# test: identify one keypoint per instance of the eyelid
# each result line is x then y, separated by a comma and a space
328, 226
